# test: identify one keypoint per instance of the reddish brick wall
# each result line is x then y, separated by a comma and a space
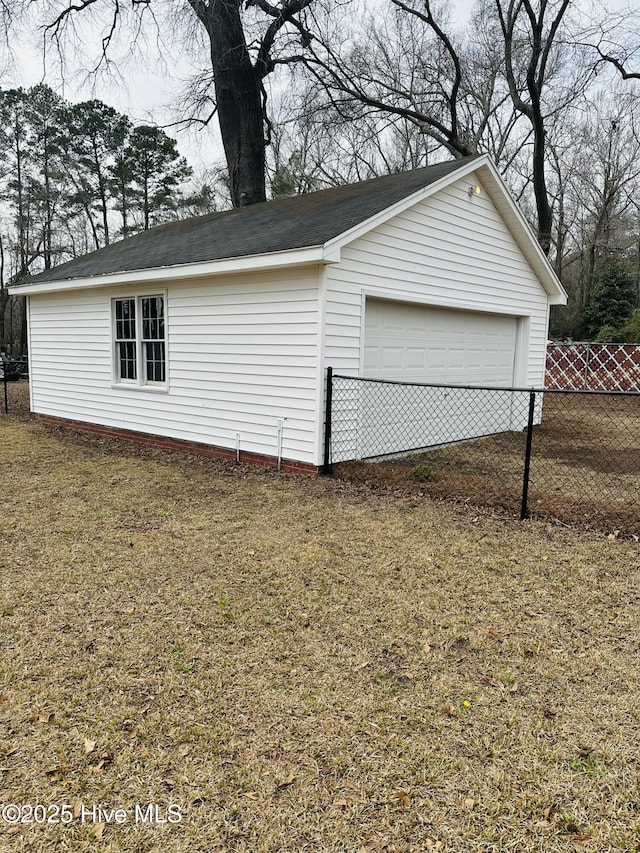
178, 444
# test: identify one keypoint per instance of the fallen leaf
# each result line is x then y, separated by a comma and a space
469, 803
56, 771
251, 795
185, 749
286, 782
105, 758
144, 752
46, 718
400, 796
97, 830
514, 688
89, 746
341, 802
449, 710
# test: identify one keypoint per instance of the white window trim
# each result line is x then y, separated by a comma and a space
139, 384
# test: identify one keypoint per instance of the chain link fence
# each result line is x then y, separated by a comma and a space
11, 396
572, 456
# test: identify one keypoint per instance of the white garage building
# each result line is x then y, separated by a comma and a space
214, 333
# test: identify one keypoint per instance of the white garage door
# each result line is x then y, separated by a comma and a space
413, 343
421, 344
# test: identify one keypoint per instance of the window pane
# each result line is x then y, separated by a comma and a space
155, 362
148, 332
153, 318
125, 319
127, 360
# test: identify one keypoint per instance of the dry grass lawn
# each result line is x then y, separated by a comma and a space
304, 665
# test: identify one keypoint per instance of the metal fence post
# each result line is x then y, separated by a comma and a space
585, 385
524, 511
327, 467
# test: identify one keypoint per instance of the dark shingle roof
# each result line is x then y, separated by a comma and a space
288, 223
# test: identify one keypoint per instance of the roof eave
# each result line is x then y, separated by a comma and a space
308, 256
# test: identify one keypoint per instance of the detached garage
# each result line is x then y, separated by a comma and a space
214, 333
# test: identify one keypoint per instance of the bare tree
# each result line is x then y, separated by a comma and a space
239, 64
403, 64
494, 91
614, 40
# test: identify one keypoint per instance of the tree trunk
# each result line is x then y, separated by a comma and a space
238, 91
102, 191
543, 208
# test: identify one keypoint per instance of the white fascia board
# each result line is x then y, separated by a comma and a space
247, 263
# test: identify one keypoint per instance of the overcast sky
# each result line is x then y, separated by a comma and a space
147, 89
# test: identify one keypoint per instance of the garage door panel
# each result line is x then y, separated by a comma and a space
416, 358
481, 345
421, 344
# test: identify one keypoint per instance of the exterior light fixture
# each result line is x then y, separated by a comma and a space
474, 191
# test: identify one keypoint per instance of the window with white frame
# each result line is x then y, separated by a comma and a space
139, 340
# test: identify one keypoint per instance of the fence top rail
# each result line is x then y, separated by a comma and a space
590, 344
533, 390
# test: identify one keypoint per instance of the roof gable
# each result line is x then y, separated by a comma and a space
479, 169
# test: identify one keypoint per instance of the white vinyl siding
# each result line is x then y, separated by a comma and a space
448, 251
246, 352
242, 355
